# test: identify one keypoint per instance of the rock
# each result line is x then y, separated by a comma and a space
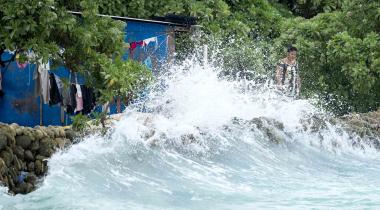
25, 151
10, 130
279, 125
274, 136
8, 133
48, 152
35, 146
5, 181
13, 173
50, 133
271, 128
40, 157
62, 133
17, 164
9, 149
31, 167
11, 138
3, 141
19, 152
29, 188
67, 142
31, 178
22, 188
24, 141
41, 131
11, 183
38, 167
24, 166
55, 131
3, 167
44, 131
7, 157
45, 168
30, 133
61, 143
46, 146
14, 126
70, 135
38, 134
28, 155
19, 131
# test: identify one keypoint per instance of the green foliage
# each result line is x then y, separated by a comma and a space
123, 78
338, 41
216, 16
89, 44
80, 122
339, 55
310, 8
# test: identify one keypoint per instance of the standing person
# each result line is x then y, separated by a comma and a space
287, 74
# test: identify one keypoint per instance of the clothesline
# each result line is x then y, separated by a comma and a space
154, 37
45, 66
134, 32
165, 40
145, 42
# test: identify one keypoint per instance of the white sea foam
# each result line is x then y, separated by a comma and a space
209, 142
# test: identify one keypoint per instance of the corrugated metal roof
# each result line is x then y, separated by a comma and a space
134, 19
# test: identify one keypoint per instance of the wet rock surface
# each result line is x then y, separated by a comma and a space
361, 127
24, 152
365, 125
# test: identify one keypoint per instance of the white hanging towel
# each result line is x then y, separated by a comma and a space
149, 40
78, 98
43, 70
106, 107
79, 91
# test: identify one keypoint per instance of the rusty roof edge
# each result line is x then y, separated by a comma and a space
138, 19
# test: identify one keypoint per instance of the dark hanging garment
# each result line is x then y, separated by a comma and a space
55, 96
2, 72
88, 99
66, 100
72, 104
1, 87
59, 85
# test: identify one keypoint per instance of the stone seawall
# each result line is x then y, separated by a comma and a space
24, 153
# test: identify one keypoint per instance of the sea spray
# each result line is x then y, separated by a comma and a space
201, 141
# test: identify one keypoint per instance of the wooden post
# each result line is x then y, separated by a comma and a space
171, 45
41, 111
205, 54
62, 116
118, 104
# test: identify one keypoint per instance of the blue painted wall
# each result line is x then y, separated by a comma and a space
20, 105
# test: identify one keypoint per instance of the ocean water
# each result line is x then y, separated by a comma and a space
203, 142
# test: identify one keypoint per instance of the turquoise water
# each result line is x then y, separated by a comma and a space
202, 145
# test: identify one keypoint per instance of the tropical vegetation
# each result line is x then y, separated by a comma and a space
87, 44
338, 40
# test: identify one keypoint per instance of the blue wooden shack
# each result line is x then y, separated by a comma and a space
19, 105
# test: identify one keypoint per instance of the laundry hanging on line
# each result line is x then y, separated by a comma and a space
81, 99
143, 43
42, 84
133, 46
55, 95
1, 87
149, 40
74, 99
